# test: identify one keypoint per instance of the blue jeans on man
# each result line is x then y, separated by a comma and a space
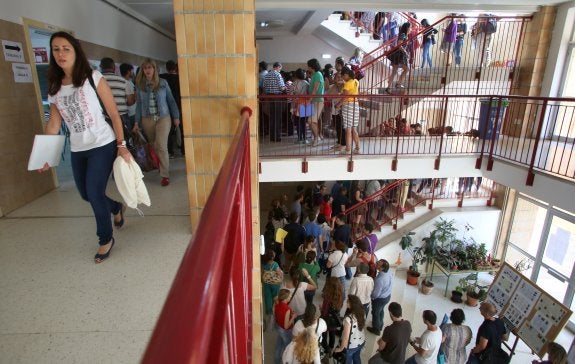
377, 313
457, 50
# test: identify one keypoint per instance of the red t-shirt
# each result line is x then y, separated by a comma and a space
326, 211
280, 314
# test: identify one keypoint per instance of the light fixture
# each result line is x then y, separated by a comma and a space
326, 56
264, 24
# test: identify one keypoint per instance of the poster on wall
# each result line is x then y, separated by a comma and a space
13, 51
40, 54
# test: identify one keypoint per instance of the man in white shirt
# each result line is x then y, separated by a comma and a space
427, 346
362, 286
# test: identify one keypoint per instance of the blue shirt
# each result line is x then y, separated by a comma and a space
382, 285
165, 101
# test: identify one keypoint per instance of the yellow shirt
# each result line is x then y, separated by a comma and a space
352, 88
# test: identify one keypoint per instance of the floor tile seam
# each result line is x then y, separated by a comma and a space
72, 332
83, 216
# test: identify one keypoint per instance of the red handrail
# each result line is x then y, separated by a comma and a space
207, 315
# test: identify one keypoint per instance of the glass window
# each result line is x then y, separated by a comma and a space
520, 261
569, 85
527, 226
560, 248
555, 287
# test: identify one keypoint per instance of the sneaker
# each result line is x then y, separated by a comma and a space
165, 181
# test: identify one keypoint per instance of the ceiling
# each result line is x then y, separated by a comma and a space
294, 17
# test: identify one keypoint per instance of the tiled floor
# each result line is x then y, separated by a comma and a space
57, 306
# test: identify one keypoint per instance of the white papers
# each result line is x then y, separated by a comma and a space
46, 149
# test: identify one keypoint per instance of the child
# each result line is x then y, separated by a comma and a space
284, 318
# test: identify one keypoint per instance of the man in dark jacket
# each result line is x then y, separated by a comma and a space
294, 239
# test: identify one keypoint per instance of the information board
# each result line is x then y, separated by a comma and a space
532, 314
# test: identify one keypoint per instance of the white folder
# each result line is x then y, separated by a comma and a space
46, 149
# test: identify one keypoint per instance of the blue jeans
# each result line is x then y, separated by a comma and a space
411, 360
378, 312
91, 169
457, 50
283, 340
354, 355
426, 54
342, 280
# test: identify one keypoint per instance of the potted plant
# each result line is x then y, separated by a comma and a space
406, 243
426, 286
474, 291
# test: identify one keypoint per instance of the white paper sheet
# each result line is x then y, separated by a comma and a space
46, 149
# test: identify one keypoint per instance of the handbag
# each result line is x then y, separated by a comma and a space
272, 277
144, 153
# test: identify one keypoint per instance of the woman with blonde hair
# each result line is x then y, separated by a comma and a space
156, 109
303, 349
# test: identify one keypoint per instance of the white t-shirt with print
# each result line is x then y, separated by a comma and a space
357, 336
298, 301
81, 111
319, 324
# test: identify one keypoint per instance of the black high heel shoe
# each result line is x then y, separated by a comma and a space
99, 258
120, 223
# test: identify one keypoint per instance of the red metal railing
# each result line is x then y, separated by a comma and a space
536, 132
207, 315
487, 65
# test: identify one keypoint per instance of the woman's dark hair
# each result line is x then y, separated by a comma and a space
310, 256
405, 28
270, 256
357, 310
309, 315
294, 274
340, 61
457, 316
340, 245
321, 219
424, 22
430, 316
80, 72
333, 291
347, 71
299, 74
314, 64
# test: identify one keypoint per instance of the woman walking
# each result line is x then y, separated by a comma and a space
155, 106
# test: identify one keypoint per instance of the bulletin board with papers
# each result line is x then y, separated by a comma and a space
532, 314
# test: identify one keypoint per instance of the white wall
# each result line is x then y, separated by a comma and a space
110, 28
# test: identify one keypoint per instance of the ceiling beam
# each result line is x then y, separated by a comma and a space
310, 22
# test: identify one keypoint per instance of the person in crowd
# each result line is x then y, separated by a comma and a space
370, 237
336, 89
482, 41
311, 320
311, 266
263, 71
381, 295
340, 201
303, 349
393, 343
456, 337
449, 37
326, 117
464, 185
312, 228
270, 290
316, 88
127, 72
353, 334
293, 240
399, 59
332, 294
458, 47
391, 28
372, 187
297, 288
556, 354
362, 286
296, 205
342, 232
427, 346
123, 90
428, 41
174, 82
284, 318
357, 57
350, 109
326, 238
75, 94
489, 337
155, 106
300, 87
336, 262
361, 254
326, 208
274, 85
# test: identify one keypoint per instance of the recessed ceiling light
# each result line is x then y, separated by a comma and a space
326, 56
264, 24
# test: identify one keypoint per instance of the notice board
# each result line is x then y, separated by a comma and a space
532, 314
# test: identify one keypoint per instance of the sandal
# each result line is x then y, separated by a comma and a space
356, 150
99, 258
120, 223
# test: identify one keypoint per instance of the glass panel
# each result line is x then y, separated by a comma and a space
560, 248
569, 86
520, 261
572, 318
527, 226
553, 286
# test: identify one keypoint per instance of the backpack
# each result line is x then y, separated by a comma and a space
371, 264
490, 25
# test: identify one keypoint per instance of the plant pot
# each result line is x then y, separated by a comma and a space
472, 300
412, 277
495, 263
456, 296
426, 287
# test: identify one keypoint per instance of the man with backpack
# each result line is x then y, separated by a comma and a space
482, 33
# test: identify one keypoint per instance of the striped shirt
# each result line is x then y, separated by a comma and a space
120, 89
274, 83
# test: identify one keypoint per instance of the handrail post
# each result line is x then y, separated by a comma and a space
444, 117
530, 174
494, 130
